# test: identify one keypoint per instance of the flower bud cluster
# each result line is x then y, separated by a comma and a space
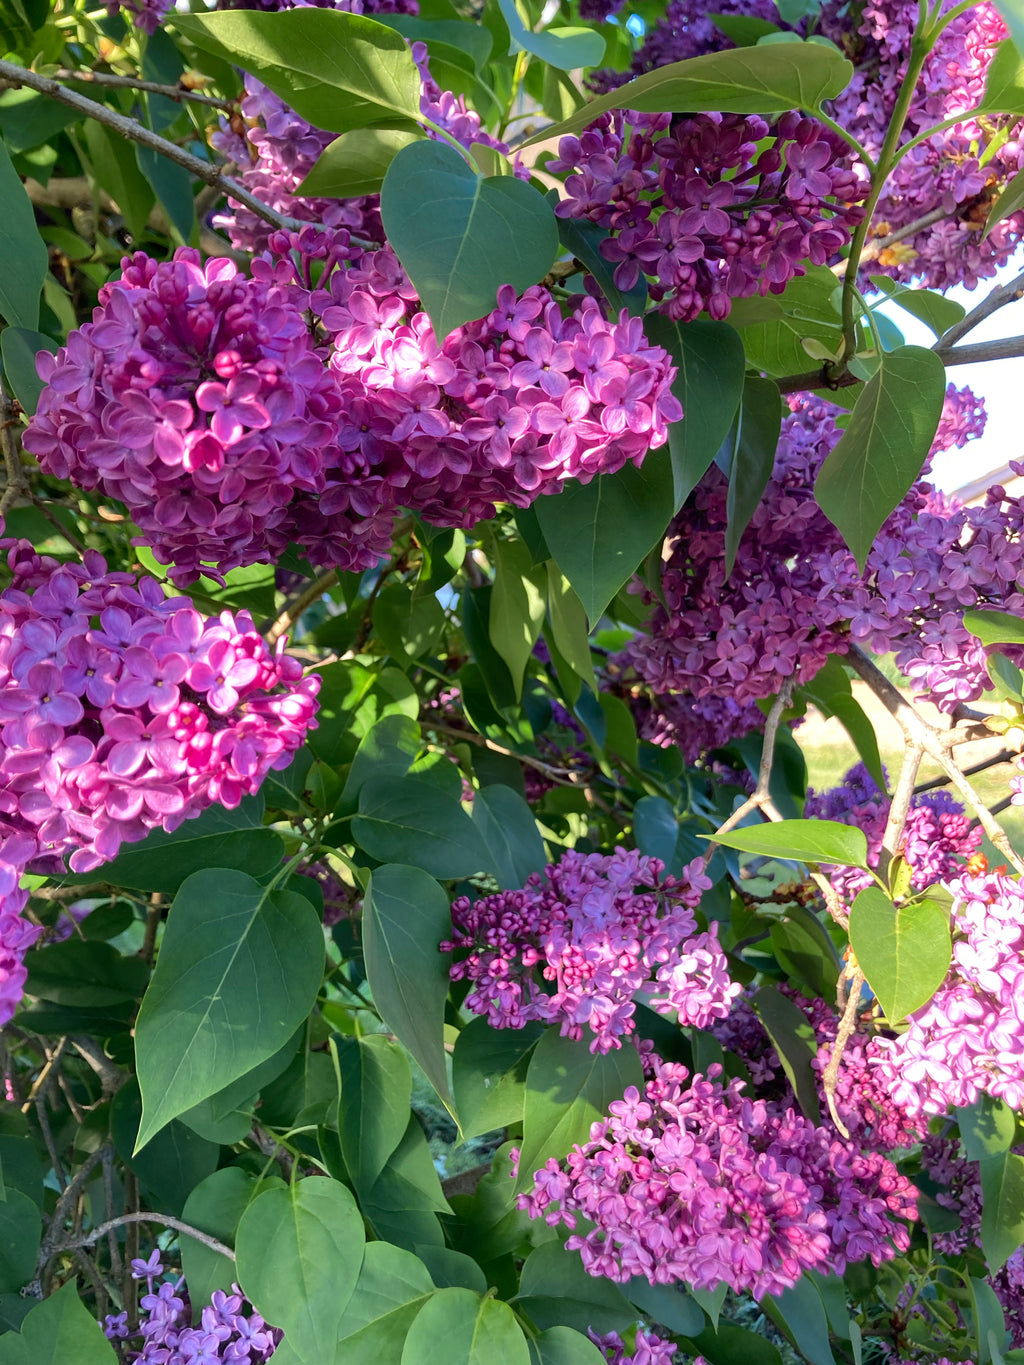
695, 1183
795, 596
711, 208
937, 838
965, 1041
123, 711
600, 928
224, 1333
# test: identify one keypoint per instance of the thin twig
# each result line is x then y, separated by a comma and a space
294, 609
154, 915
998, 298
900, 807
1003, 756
561, 775
935, 743
760, 795
1006, 348
58, 525
178, 93
41, 1082
16, 484
848, 1022
134, 131
126, 1219
110, 1074
52, 1241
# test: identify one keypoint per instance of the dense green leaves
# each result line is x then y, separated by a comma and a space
563, 1346
1002, 1214
376, 1086
806, 841
510, 833
22, 250
709, 385
405, 918
238, 972
517, 606
56, 1332
388, 749
904, 950
299, 1250
748, 80
338, 70
750, 459
86, 974
881, 452
20, 1229
393, 1286
215, 1206
489, 1074
599, 532
555, 1289
409, 820
463, 1328
567, 1088
461, 235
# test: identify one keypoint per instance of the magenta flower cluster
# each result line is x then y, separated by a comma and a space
17, 935
123, 711
649, 1349
224, 1335
965, 1041
937, 838
795, 595
711, 208
695, 1183
598, 928
954, 175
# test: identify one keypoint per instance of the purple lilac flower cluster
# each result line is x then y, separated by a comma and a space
600, 928
711, 208
965, 1041
197, 398
696, 1183
937, 837
122, 711
17, 935
507, 408
224, 1335
795, 595
957, 172
279, 149
146, 15
650, 1349
862, 1100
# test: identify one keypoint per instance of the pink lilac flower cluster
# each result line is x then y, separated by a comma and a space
650, 1349
795, 596
599, 928
509, 407
956, 173
146, 15
17, 935
197, 398
862, 1100
695, 1183
279, 149
965, 1041
937, 839
123, 711
711, 208
224, 1335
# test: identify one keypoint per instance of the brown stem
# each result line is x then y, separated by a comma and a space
848, 1022
16, 485
275, 629
179, 93
110, 1074
900, 807
163, 1219
760, 796
1007, 348
998, 298
1003, 756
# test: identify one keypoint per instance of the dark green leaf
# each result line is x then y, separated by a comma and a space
226, 1116
987, 1127
569, 635
831, 692
743, 29
239, 970
352, 698
173, 186
355, 163
169, 1167
665, 1304
408, 818
475, 610
58, 1331
373, 1113
388, 749
453, 1269
904, 952
215, 1206
564, 48
989, 1322
29, 119
20, 1233
408, 626
885, 443
805, 952
405, 916
87, 974
517, 606
753, 457
995, 627
801, 1313
461, 236
393, 1286
20, 1168
584, 240
338, 70
599, 532
459, 1327
804, 841
1004, 83
729, 1345
409, 1183
489, 1075
510, 833
1002, 1213
472, 39
555, 1290
113, 161
934, 310
299, 1252
563, 1346
567, 1088
793, 1036
20, 348
709, 385
218, 838
22, 250
748, 80
775, 328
